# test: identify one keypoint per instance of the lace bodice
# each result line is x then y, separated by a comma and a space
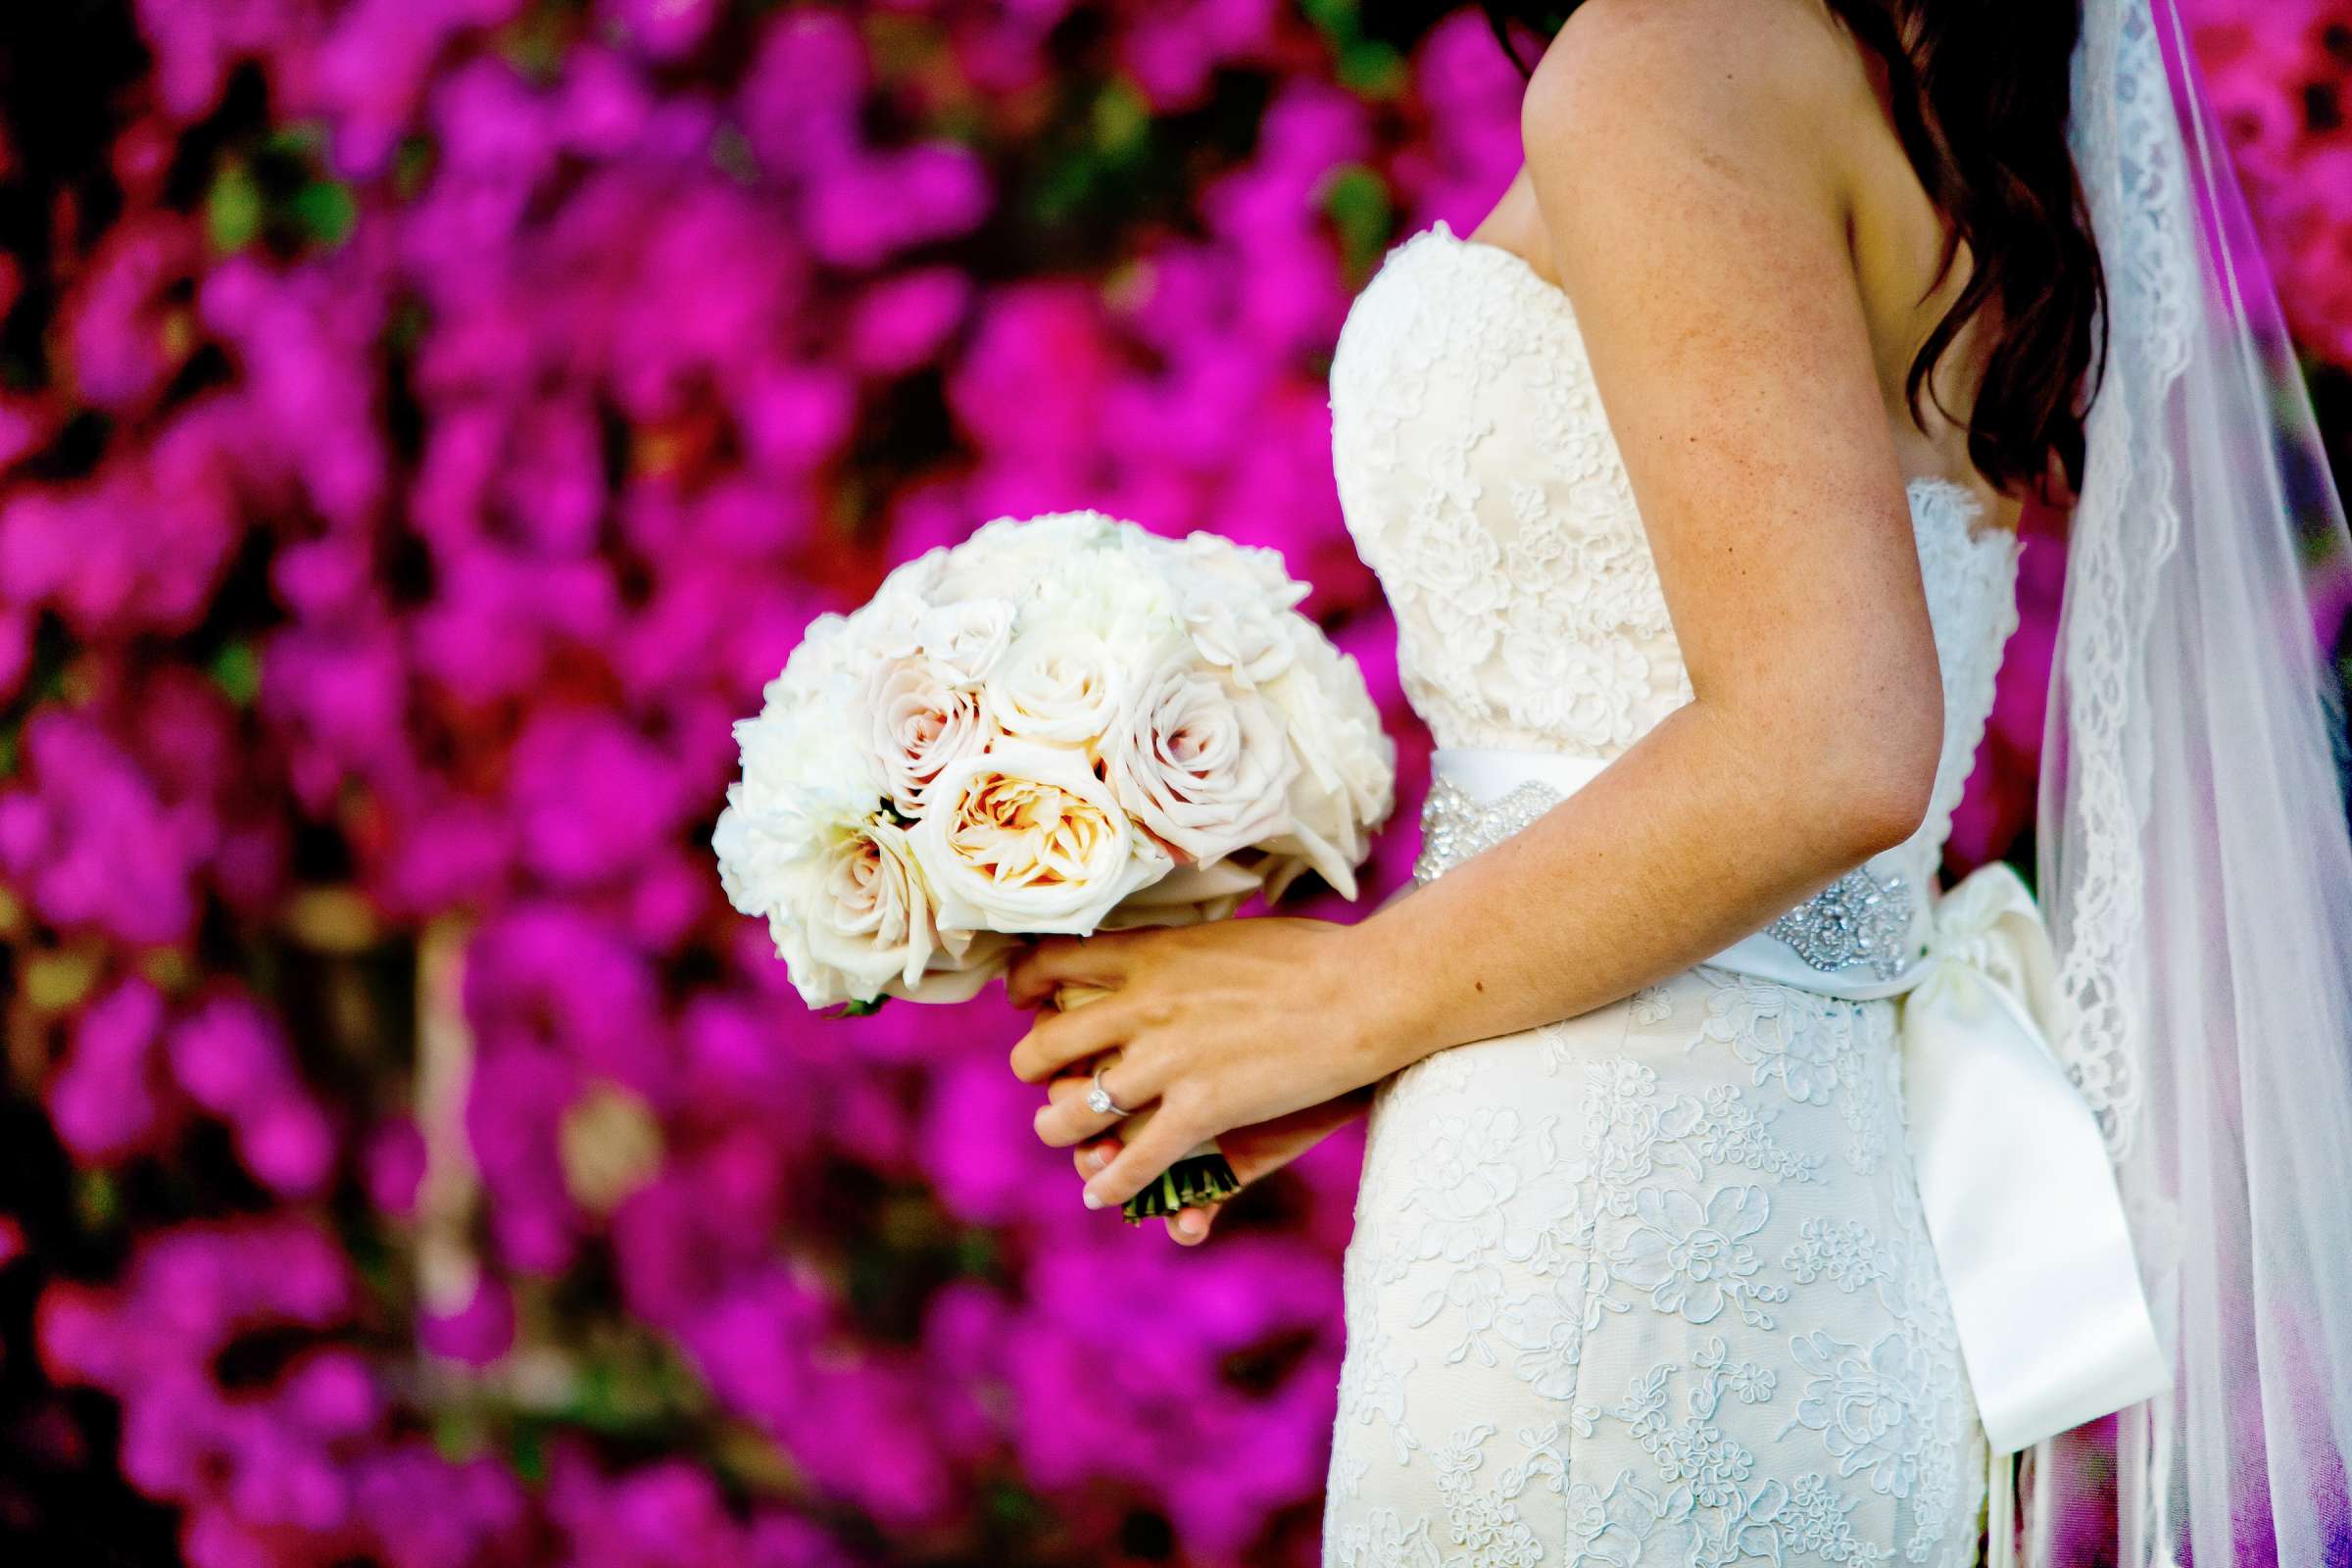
1480, 482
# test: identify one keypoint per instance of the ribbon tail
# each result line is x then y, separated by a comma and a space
2020, 1199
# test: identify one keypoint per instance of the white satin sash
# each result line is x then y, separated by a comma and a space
2021, 1203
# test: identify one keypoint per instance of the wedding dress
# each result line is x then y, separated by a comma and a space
1766, 1262
1652, 1284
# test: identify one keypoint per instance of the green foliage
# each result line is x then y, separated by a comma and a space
1356, 199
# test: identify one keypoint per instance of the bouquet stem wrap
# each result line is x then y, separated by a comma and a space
1204, 1176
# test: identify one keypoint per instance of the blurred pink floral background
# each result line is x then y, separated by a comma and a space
424, 426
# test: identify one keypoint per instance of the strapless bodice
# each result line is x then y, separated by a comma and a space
1482, 483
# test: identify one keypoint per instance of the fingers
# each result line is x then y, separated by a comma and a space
1059, 1039
1189, 1228
1163, 1139
1068, 1120
1056, 961
1064, 1122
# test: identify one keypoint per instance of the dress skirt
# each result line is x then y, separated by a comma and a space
1651, 1288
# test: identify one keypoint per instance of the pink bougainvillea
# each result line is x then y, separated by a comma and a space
426, 425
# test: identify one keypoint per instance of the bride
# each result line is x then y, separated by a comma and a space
1730, 1193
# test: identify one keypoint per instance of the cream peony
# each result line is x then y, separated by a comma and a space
1024, 837
1204, 769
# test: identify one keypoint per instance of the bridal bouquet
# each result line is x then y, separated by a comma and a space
1062, 725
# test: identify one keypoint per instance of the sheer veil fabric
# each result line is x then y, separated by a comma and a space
2195, 866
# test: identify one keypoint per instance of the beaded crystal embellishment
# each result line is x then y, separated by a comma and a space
1859, 918
1454, 827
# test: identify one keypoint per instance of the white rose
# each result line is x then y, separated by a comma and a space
838, 883
1059, 685
1205, 768
1346, 780
1023, 838
963, 641
847, 910
754, 865
885, 626
1243, 635
1245, 570
918, 725
872, 917
1235, 600
856, 919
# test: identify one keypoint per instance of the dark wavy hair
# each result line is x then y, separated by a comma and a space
1981, 97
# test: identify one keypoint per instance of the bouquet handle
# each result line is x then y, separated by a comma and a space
1202, 1176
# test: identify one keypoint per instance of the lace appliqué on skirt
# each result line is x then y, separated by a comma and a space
1644, 1286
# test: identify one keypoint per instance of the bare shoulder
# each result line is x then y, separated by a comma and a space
1762, 88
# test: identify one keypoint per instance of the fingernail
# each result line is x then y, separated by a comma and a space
1097, 1158
1092, 1199
1189, 1222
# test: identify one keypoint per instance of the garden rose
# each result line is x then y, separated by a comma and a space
1024, 837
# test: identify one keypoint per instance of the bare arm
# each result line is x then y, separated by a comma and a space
1701, 232
1697, 217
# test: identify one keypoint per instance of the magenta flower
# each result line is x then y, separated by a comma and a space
438, 420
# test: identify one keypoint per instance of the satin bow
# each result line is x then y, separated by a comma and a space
2021, 1203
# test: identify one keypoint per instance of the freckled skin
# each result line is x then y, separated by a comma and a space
1716, 187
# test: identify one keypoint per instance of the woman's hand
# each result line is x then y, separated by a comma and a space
1219, 1026
1254, 1151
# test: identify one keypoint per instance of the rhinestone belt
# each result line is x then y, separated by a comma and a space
1859, 919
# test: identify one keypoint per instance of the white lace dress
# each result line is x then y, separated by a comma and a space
1650, 1286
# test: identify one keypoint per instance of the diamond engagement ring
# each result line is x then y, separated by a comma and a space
1099, 1101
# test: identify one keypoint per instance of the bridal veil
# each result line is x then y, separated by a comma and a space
2195, 866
